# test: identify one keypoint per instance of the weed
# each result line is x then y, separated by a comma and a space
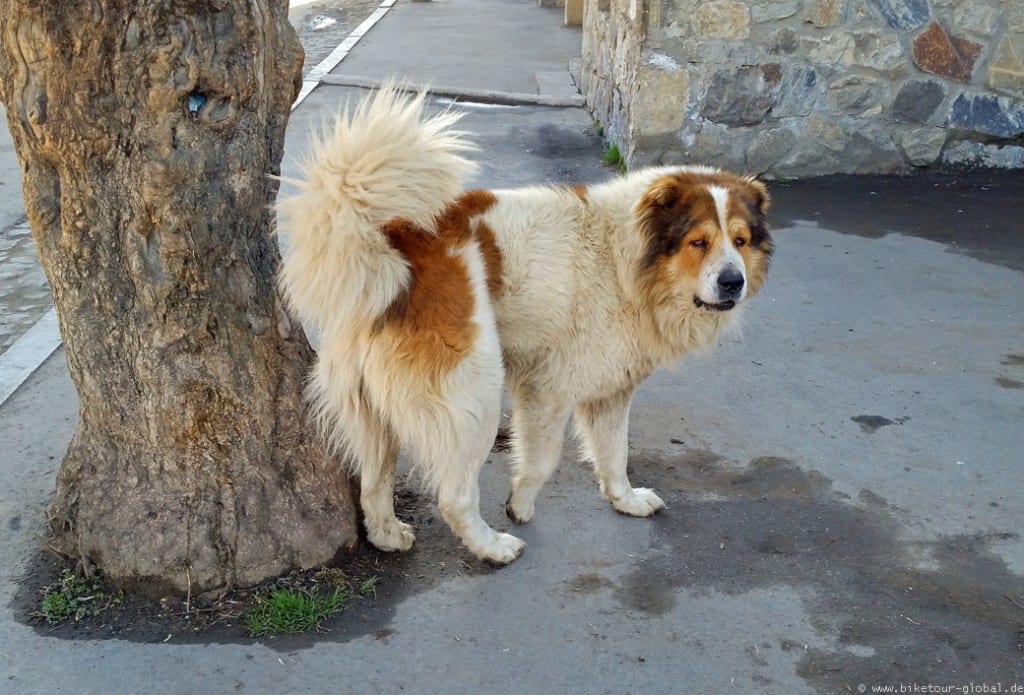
369, 586
76, 597
290, 611
613, 158
57, 608
599, 129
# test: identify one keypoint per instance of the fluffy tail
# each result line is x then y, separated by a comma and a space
383, 161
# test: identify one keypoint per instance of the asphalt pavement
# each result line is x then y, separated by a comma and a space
843, 476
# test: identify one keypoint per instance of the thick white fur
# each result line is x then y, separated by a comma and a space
570, 334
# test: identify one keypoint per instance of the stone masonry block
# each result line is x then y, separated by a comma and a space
825, 13
975, 154
768, 148
1006, 71
826, 132
774, 11
837, 47
857, 95
663, 88
742, 96
922, 146
785, 41
800, 91
945, 55
976, 17
724, 19
903, 15
871, 149
918, 101
990, 115
1014, 12
879, 51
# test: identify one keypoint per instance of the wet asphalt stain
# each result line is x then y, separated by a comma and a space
560, 150
1011, 360
970, 211
14, 523
587, 583
771, 523
871, 423
558, 142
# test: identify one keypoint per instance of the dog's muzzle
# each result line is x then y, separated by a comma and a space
729, 286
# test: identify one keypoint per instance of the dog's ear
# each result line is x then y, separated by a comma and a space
663, 218
760, 192
663, 193
760, 202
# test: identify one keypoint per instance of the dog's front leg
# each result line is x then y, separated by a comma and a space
603, 427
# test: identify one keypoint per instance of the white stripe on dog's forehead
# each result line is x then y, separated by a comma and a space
721, 198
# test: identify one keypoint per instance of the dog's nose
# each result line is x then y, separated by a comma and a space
730, 283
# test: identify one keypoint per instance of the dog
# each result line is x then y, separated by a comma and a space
429, 300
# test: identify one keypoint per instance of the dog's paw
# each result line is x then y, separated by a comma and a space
393, 535
640, 501
518, 511
503, 549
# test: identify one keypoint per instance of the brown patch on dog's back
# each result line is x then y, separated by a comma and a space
580, 191
454, 221
431, 325
457, 224
492, 258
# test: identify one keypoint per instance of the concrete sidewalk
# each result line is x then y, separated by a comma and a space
843, 481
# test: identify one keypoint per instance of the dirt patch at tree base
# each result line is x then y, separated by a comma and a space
224, 619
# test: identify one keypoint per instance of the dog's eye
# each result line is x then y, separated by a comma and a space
740, 242
699, 244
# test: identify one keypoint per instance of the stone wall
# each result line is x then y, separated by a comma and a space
805, 87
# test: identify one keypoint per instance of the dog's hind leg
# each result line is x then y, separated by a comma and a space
538, 429
459, 441
450, 427
374, 447
603, 428
459, 500
473, 422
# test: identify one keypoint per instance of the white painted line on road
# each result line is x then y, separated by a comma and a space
22, 358
324, 67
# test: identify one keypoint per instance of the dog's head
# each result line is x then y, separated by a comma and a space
705, 237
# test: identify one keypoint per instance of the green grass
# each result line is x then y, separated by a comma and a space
75, 597
599, 129
289, 611
613, 158
369, 587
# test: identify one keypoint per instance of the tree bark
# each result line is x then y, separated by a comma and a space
147, 132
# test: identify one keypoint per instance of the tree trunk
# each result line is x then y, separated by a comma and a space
147, 132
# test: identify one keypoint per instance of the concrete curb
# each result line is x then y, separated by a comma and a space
28, 352
484, 96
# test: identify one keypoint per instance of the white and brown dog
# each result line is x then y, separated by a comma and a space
428, 300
